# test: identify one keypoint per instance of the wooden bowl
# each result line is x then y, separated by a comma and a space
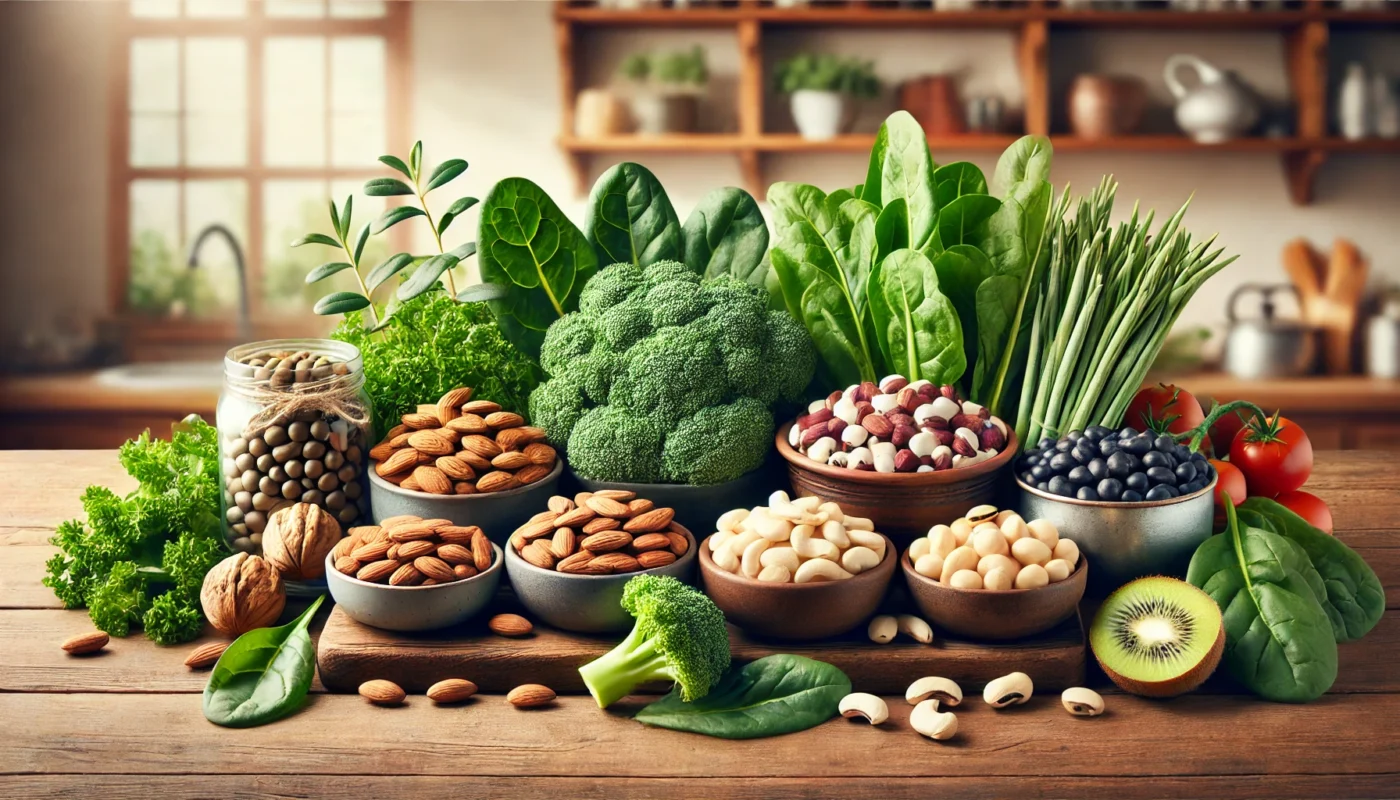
901, 504
797, 611
989, 614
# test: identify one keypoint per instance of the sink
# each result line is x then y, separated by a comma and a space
164, 375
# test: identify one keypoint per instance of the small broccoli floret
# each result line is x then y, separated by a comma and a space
625, 324
610, 443
675, 303
788, 352
679, 636
570, 338
719, 443
736, 310
671, 375
668, 272
556, 406
748, 375
610, 286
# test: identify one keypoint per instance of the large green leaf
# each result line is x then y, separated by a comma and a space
961, 269
916, 324
870, 189
1027, 159
952, 181
264, 675
528, 245
892, 228
768, 697
726, 235
825, 309
959, 220
996, 313
630, 218
907, 174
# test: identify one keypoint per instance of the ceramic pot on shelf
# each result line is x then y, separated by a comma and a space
1218, 108
819, 114
933, 101
599, 114
1103, 106
1354, 104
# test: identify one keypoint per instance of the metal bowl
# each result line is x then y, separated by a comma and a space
1127, 540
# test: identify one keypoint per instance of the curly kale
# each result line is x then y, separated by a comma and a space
656, 357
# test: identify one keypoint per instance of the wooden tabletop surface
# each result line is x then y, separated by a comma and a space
127, 723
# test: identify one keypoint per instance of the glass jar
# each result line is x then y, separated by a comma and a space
294, 426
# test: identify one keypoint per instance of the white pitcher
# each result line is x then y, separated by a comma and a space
1218, 108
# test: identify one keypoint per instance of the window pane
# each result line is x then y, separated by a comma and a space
216, 9
221, 202
303, 9
155, 84
357, 140
155, 140
357, 73
295, 208
294, 91
216, 94
155, 9
357, 9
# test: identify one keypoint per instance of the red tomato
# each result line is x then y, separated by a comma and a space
1308, 506
1231, 481
1164, 407
1274, 455
1223, 432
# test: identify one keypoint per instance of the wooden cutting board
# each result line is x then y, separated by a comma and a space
350, 654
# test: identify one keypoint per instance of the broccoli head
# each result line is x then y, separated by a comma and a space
679, 636
679, 355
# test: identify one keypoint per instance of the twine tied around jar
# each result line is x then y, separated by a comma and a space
336, 395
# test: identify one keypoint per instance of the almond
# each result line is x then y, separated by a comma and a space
510, 460
393, 554
457, 534
500, 420
389, 522
581, 498
537, 553
397, 430
510, 625
85, 643
608, 507
652, 559
371, 552
409, 531
480, 407
347, 565
651, 541
482, 551
343, 547
420, 421
382, 692
679, 543
481, 464
541, 454
455, 398
616, 562
455, 554
562, 545
523, 438
599, 524
497, 482
410, 484
377, 572
401, 461
455, 468
206, 655
406, 575
536, 528
639, 506
530, 695
434, 568
381, 451
560, 505
447, 410
452, 690
431, 442
606, 541
410, 550
654, 520
463, 571
432, 480
620, 495
481, 446
577, 564
468, 424
575, 518
463, 487
400, 440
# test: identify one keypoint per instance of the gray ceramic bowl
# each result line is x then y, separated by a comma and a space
584, 603
1127, 540
414, 608
697, 507
497, 513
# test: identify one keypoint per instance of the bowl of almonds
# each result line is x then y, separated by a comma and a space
413, 574
568, 564
465, 460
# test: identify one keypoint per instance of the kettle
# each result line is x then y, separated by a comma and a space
1267, 347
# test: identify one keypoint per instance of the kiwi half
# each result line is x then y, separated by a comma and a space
1158, 637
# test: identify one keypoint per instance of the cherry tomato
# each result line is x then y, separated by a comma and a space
1164, 408
1230, 481
1274, 455
1308, 506
1223, 432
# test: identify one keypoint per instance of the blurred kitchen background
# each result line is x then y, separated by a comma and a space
134, 132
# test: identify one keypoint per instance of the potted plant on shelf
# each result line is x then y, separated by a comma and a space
666, 90
821, 86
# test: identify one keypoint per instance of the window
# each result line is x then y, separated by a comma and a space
248, 115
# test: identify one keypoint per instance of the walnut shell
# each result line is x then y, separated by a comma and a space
297, 539
242, 593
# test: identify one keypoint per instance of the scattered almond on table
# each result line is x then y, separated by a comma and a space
463, 446
382, 693
512, 625
451, 690
85, 643
206, 655
601, 533
530, 695
412, 551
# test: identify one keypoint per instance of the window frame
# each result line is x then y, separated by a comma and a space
254, 29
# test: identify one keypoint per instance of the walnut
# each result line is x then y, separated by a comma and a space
297, 540
242, 593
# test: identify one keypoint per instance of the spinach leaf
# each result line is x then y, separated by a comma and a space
726, 235
630, 218
961, 269
870, 190
915, 323
264, 675
906, 173
1027, 159
958, 220
526, 244
1353, 597
825, 308
1278, 640
768, 697
952, 181
892, 228
996, 312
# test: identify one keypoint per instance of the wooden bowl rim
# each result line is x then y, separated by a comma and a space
689, 555
708, 566
1079, 569
907, 479
498, 563
463, 498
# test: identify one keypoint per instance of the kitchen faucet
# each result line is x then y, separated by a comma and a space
245, 325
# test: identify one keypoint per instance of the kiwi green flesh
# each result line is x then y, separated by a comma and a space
1158, 636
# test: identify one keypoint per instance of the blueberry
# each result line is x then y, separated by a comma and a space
1098, 468
1164, 443
1025, 477
1181, 453
1206, 472
1185, 473
1127, 433
1155, 459
1109, 446
1062, 463
1040, 472
1161, 476
1110, 488
1086, 493
1060, 486
1198, 456
1137, 480
1063, 446
1097, 433
1191, 487
1080, 476
1138, 445
1085, 454
1046, 444
1043, 486
1119, 465
1131, 496
1074, 436
1161, 493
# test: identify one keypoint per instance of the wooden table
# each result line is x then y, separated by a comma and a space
128, 724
